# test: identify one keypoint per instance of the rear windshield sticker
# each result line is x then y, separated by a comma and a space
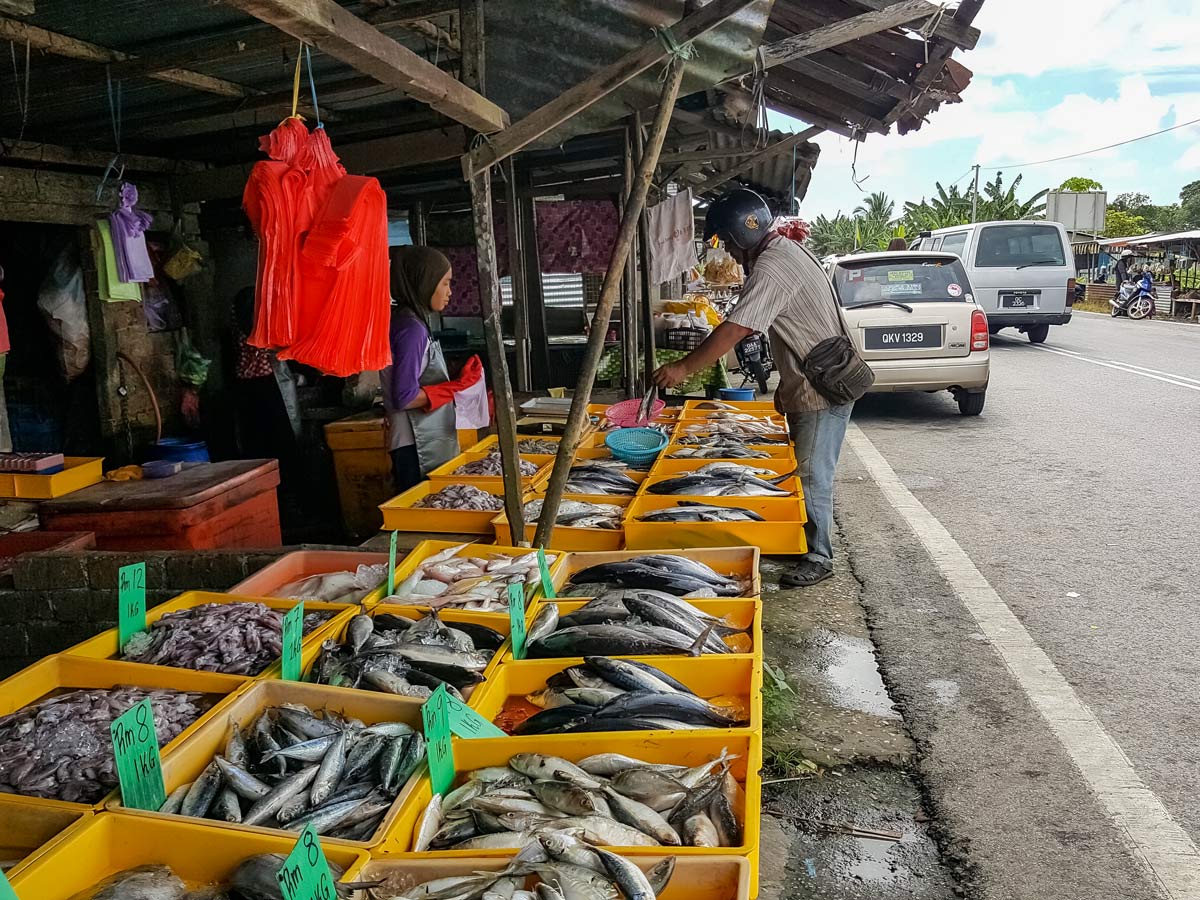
900, 275
893, 290
856, 274
954, 290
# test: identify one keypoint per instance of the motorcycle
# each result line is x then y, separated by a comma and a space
754, 359
1133, 299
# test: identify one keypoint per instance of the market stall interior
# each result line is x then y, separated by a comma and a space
414, 711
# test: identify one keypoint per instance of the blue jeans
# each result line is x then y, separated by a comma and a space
818, 438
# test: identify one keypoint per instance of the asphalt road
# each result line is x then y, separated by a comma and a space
1075, 494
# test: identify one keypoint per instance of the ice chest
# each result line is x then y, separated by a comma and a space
207, 506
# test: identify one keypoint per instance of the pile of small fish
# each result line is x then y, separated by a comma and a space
408, 658
629, 622
254, 879
715, 404
724, 479
537, 446
467, 582
749, 428
461, 496
579, 514
607, 694
676, 575
234, 638
720, 447
694, 511
61, 749
294, 768
606, 800
492, 466
335, 587
706, 436
567, 869
600, 477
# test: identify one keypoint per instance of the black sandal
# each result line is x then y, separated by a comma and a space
805, 574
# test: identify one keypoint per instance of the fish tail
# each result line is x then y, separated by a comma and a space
698, 647
782, 478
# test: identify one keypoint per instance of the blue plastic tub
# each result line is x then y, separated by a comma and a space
636, 446
179, 450
737, 393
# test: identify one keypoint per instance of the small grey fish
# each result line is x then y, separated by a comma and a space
544, 623
269, 805
629, 878
329, 772
202, 792
142, 883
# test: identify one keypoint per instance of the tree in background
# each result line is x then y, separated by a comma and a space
1189, 203
997, 204
1081, 185
944, 209
1119, 223
832, 236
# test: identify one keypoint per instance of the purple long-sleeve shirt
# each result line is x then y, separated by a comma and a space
402, 379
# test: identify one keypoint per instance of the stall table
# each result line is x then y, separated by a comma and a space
207, 506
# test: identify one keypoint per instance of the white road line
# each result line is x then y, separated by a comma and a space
1120, 367
1156, 839
1129, 365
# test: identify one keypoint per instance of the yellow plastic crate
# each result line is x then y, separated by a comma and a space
776, 451
686, 427
685, 748
740, 613
426, 549
565, 537
445, 474
60, 673
106, 844
737, 561
186, 761
78, 472
106, 644
671, 469
542, 482
401, 513
29, 829
290, 567
710, 878
496, 621
781, 533
734, 681
754, 407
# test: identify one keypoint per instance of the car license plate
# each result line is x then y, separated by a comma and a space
901, 337
1018, 301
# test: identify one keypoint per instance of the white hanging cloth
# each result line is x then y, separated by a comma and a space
672, 231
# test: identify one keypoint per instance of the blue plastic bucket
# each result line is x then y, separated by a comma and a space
179, 450
737, 393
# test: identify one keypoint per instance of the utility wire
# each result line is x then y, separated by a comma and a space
1089, 152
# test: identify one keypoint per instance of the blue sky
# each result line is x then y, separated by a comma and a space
1052, 77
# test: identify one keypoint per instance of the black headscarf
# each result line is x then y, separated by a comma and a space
416, 272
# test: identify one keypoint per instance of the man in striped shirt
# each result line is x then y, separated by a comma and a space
788, 296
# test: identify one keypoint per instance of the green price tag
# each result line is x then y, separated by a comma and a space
516, 619
6, 891
139, 768
547, 583
131, 602
293, 640
305, 874
466, 723
435, 715
392, 565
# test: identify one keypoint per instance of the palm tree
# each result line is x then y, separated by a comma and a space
996, 204
878, 208
832, 236
944, 209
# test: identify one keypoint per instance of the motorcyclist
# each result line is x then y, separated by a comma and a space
1122, 269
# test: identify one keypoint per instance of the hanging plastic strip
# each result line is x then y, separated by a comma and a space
312, 86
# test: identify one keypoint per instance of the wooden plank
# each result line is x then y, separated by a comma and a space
363, 158
470, 29
849, 76
812, 118
516, 272
16, 7
580, 96
843, 32
674, 159
961, 35
53, 154
73, 48
939, 54
766, 153
399, 13
830, 102
337, 32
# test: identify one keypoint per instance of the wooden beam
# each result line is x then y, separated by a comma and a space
813, 118
768, 152
950, 28
829, 101
53, 154
843, 32
399, 13
470, 29
674, 159
16, 7
938, 56
335, 31
849, 76
435, 33
72, 48
602, 83
626, 236
363, 158
516, 273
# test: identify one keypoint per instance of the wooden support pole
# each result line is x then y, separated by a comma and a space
490, 304
629, 291
582, 95
535, 296
569, 442
649, 291
516, 275
418, 223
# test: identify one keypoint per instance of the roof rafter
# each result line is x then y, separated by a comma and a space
843, 32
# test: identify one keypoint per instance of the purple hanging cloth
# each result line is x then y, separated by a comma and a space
128, 227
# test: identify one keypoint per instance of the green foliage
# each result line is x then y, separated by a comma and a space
1081, 185
996, 204
1123, 224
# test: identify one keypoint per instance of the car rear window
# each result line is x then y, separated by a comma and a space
1008, 246
912, 280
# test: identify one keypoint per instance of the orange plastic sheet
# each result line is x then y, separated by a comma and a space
322, 291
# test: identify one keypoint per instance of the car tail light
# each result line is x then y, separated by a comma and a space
979, 331
1070, 292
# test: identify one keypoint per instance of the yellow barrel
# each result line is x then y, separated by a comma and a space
363, 469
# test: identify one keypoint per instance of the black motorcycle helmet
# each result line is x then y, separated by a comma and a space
741, 218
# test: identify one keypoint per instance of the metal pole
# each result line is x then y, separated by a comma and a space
569, 442
975, 197
516, 275
489, 301
629, 288
643, 267
418, 223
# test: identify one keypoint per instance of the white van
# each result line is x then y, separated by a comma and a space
1023, 273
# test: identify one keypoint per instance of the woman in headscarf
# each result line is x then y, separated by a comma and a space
420, 437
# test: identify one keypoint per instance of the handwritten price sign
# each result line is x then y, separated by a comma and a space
139, 767
293, 641
305, 874
442, 716
516, 619
131, 602
547, 582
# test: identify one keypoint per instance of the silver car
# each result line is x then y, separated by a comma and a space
915, 320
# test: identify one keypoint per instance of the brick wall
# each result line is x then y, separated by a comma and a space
51, 601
